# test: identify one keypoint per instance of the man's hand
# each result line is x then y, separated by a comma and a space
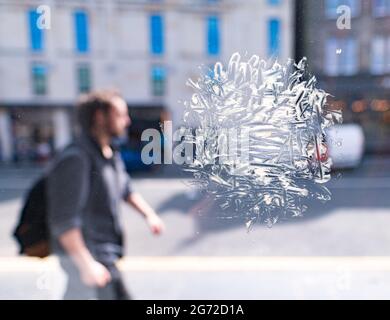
94, 274
152, 219
155, 223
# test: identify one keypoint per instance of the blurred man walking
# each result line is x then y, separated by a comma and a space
85, 187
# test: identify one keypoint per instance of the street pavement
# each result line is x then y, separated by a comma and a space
156, 278
319, 253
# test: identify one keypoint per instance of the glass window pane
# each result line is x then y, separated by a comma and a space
273, 37
331, 58
157, 34
36, 34
379, 7
81, 30
331, 8
84, 79
388, 54
378, 47
39, 75
274, 2
355, 6
350, 59
213, 35
158, 80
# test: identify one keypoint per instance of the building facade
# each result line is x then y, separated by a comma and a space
146, 49
351, 61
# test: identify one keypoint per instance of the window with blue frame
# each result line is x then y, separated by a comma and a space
84, 78
36, 34
332, 5
156, 34
274, 37
213, 35
331, 8
341, 56
81, 31
39, 79
378, 55
158, 77
381, 8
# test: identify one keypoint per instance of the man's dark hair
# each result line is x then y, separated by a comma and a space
89, 103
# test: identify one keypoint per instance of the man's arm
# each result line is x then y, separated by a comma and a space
92, 273
138, 202
68, 187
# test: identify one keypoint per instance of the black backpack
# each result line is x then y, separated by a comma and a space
32, 232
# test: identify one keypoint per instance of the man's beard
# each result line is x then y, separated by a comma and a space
119, 137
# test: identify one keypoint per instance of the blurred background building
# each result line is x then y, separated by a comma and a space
146, 49
351, 64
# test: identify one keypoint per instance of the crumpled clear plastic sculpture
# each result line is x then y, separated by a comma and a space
258, 131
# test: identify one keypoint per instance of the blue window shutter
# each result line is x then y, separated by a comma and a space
36, 34
273, 37
81, 29
213, 35
157, 34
